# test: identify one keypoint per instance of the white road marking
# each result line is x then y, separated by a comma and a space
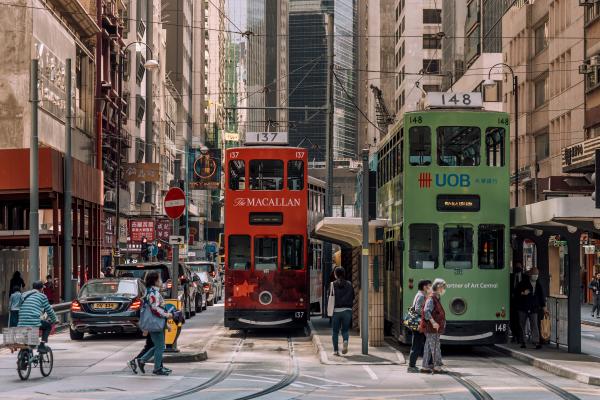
331, 381
588, 335
370, 372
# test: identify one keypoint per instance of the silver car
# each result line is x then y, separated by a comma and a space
211, 278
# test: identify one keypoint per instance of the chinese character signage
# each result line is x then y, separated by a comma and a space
163, 229
205, 169
141, 172
139, 228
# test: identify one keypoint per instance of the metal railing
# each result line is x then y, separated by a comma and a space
559, 318
62, 312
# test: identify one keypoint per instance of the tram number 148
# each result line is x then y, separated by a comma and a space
501, 327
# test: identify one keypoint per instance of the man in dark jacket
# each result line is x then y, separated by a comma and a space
516, 277
595, 287
530, 302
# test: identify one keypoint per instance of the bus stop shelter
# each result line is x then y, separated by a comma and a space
557, 222
347, 233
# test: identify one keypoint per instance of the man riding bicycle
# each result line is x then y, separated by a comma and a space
33, 305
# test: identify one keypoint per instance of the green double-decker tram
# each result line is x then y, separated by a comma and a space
443, 182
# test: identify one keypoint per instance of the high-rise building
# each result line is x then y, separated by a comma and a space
418, 52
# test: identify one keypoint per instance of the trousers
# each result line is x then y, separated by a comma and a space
416, 348
432, 354
341, 320
158, 338
533, 324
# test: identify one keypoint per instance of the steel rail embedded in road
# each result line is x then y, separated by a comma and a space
477, 391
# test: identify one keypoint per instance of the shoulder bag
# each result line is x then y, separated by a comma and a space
150, 322
412, 319
330, 302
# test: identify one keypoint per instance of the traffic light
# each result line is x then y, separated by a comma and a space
144, 253
596, 180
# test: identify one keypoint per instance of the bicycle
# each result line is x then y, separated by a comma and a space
26, 341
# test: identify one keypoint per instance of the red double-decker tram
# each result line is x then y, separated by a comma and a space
266, 237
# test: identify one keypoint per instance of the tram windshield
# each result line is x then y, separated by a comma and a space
265, 254
491, 246
239, 252
266, 175
291, 252
423, 246
458, 146
458, 247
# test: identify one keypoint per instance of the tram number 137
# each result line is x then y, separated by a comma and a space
299, 314
501, 327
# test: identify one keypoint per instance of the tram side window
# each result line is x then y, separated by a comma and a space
266, 175
295, 180
291, 252
265, 254
237, 175
494, 147
419, 145
458, 146
423, 251
491, 247
458, 247
239, 252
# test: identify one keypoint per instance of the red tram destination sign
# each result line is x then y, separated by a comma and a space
174, 203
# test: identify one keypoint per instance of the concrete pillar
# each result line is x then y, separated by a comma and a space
376, 272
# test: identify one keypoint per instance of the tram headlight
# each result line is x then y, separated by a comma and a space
458, 306
265, 298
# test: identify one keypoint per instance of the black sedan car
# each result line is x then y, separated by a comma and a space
107, 305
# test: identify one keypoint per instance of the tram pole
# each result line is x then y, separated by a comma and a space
364, 267
68, 198
175, 262
34, 225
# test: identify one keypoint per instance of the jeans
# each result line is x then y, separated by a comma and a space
432, 354
13, 318
533, 324
596, 307
341, 319
46, 328
158, 338
416, 349
147, 346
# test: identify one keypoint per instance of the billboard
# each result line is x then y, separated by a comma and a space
141, 172
204, 169
138, 228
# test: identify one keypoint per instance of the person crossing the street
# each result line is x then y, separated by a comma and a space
418, 338
595, 287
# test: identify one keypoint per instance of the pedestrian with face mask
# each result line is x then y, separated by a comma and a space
595, 287
530, 303
433, 323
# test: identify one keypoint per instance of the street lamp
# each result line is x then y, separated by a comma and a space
515, 80
149, 65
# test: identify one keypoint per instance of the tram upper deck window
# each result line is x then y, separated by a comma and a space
458, 247
491, 247
423, 251
239, 252
458, 146
419, 145
266, 175
291, 252
265, 253
237, 175
295, 177
494, 147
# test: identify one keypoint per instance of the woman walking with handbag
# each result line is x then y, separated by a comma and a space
341, 299
433, 323
418, 339
153, 320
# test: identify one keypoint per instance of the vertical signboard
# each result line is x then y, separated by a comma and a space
139, 228
204, 169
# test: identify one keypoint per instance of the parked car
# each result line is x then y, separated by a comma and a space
211, 279
106, 305
193, 287
184, 292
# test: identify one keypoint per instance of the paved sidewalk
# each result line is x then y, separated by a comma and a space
586, 316
321, 337
580, 367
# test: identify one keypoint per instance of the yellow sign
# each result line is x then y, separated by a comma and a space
172, 335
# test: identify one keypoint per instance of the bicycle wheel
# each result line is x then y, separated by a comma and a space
46, 362
24, 363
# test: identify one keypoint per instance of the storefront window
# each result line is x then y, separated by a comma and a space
291, 252
458, 247
265, 253
423, 252
490, 251
239, 252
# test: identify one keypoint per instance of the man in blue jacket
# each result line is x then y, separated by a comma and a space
33, 305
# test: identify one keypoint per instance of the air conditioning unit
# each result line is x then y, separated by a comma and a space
585, 69
595, 60
587, 3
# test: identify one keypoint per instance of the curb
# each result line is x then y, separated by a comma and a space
590, 323
185, 357
551, 367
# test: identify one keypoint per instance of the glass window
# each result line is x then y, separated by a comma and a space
432, 16
490, 251
431, 41
492, 93
423, 252
458, 247
110, 287
542, 146
431, 66
266, 175
265, 253
291, 252
541, 37
419, 145
239, 252
237, 175
295, 175
458, 146
541, 91
494, 147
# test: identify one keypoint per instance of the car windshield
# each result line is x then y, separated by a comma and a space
127, 288
205, 267
203, 276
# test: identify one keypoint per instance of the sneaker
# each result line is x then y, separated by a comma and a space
42, 348
345, 347
426, 370
169, 370
141, 365
133, 366
161, 372
412, 370
336, 353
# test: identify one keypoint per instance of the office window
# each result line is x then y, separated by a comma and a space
541, 91
431, 41
432, 16
542, 146
432, 88
492, 93
431, 66
541, 37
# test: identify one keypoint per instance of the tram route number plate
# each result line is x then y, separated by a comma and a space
453, 100
299, 314
262, 138
501, 327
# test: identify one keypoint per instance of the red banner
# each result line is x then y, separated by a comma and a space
139, 228
163, 228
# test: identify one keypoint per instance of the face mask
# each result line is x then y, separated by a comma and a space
534, 277
442, 292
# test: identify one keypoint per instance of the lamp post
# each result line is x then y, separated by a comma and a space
150, 66
515, 81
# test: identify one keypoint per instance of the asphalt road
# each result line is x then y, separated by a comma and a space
273, 365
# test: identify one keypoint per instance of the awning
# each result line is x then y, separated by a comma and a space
578, 212
346, 231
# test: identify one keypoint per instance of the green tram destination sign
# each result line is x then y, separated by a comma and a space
458, 202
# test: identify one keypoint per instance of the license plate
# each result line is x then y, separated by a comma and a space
105, 306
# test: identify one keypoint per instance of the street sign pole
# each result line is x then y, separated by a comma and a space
175, 262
